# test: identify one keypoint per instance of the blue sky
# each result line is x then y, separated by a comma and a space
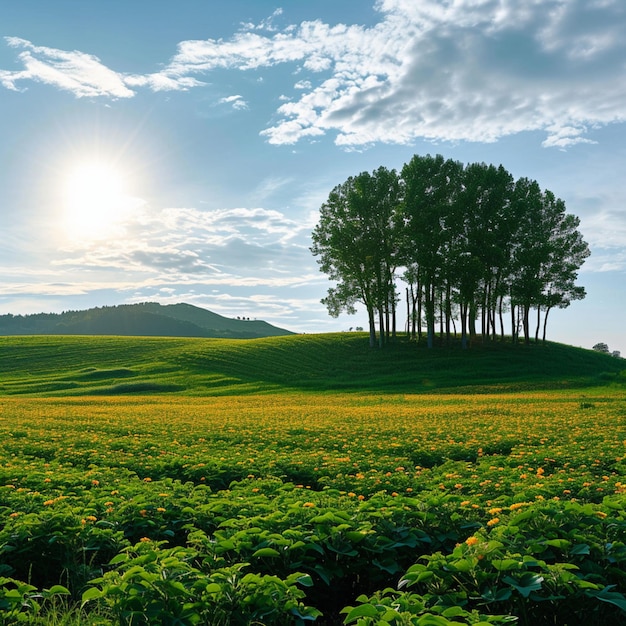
210, 132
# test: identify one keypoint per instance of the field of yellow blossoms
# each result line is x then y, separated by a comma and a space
314, 508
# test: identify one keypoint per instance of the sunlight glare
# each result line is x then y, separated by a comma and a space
95, 201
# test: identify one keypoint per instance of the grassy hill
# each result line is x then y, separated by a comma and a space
144, 319
84, 365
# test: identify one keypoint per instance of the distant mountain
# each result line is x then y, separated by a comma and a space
144, 319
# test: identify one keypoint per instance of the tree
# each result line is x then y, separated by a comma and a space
430, 185
601, 347
355, 240
471, 241
484, 229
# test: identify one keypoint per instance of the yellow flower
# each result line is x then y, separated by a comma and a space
471, 541
308, 505
493, 522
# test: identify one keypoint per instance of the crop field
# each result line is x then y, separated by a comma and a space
314, 507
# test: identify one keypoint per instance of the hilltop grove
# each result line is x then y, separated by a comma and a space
480, 253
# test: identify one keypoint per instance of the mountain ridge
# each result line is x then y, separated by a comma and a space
145, 319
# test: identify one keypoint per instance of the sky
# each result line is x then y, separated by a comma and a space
180, 151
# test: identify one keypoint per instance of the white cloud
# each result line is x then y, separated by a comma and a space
237, 102
565, 136
474, 70
82, 74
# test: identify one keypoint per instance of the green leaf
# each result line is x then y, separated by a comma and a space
305, 580
528, 583
455, 611
58, 590
365, 610
522, 517
561, 544
505, 565
119, 558
462, 565
92, 593
580, 549
266, 552
432, 620
612, 597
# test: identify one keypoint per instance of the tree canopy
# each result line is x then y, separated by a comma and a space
470, 243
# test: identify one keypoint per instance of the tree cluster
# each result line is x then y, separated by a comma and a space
473, 245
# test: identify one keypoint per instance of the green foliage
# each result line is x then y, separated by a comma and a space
370, 508
21, 603
151, 584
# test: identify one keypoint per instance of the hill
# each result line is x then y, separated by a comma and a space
144, 319
50, 365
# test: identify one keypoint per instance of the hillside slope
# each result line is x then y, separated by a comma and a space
144, 319
52, 365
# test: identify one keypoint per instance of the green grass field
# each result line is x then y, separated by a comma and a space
309, 479
114, 365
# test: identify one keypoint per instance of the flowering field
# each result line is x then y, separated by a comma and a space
314, 508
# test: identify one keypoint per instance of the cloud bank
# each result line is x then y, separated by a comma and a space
441, 70
237, 247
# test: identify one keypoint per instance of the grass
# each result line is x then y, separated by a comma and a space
85, 365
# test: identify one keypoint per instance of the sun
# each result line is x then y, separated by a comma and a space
95, 200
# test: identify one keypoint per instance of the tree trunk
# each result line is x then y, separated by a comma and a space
408, 314
441, 332
448, 310
372, 323
420, 304
471, 321
430, 315
513, 322
538, 324
463, 307
545, 323
526, 321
